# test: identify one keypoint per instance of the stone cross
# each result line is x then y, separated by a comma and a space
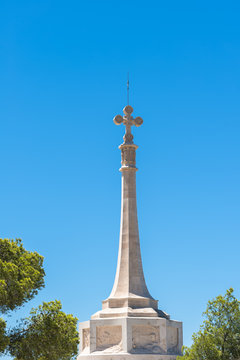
128, 121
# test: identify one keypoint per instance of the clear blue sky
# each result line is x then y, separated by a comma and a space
63, 69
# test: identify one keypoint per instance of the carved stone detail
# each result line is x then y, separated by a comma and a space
172, 339
146, 339
108, 336
128, 138
86, 338
128, 156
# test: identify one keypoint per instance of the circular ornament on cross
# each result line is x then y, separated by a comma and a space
128, 110
118, 119
138, 121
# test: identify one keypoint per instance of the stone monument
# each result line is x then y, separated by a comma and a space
130, 326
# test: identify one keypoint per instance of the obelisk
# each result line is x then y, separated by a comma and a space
130, 325
129, 295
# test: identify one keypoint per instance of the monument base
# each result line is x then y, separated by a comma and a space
130, 338
126, 356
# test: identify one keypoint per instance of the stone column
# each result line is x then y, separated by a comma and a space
129, 288
129, 281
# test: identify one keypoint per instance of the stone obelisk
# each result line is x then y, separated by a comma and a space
130, 325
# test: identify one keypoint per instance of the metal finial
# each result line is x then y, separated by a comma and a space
128, 89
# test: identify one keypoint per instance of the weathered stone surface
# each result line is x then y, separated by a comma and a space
146, 338
172, 339
127, 335
123, 356
108, 336
86, 338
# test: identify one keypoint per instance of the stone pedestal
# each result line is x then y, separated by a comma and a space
130, 338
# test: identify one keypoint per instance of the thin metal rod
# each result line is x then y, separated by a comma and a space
128, 89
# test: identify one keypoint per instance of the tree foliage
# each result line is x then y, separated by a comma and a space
219, 336
4, 340
21, 274
48, 334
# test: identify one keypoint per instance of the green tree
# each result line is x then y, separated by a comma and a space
21, 277
219, 336
21, 274
48, 334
